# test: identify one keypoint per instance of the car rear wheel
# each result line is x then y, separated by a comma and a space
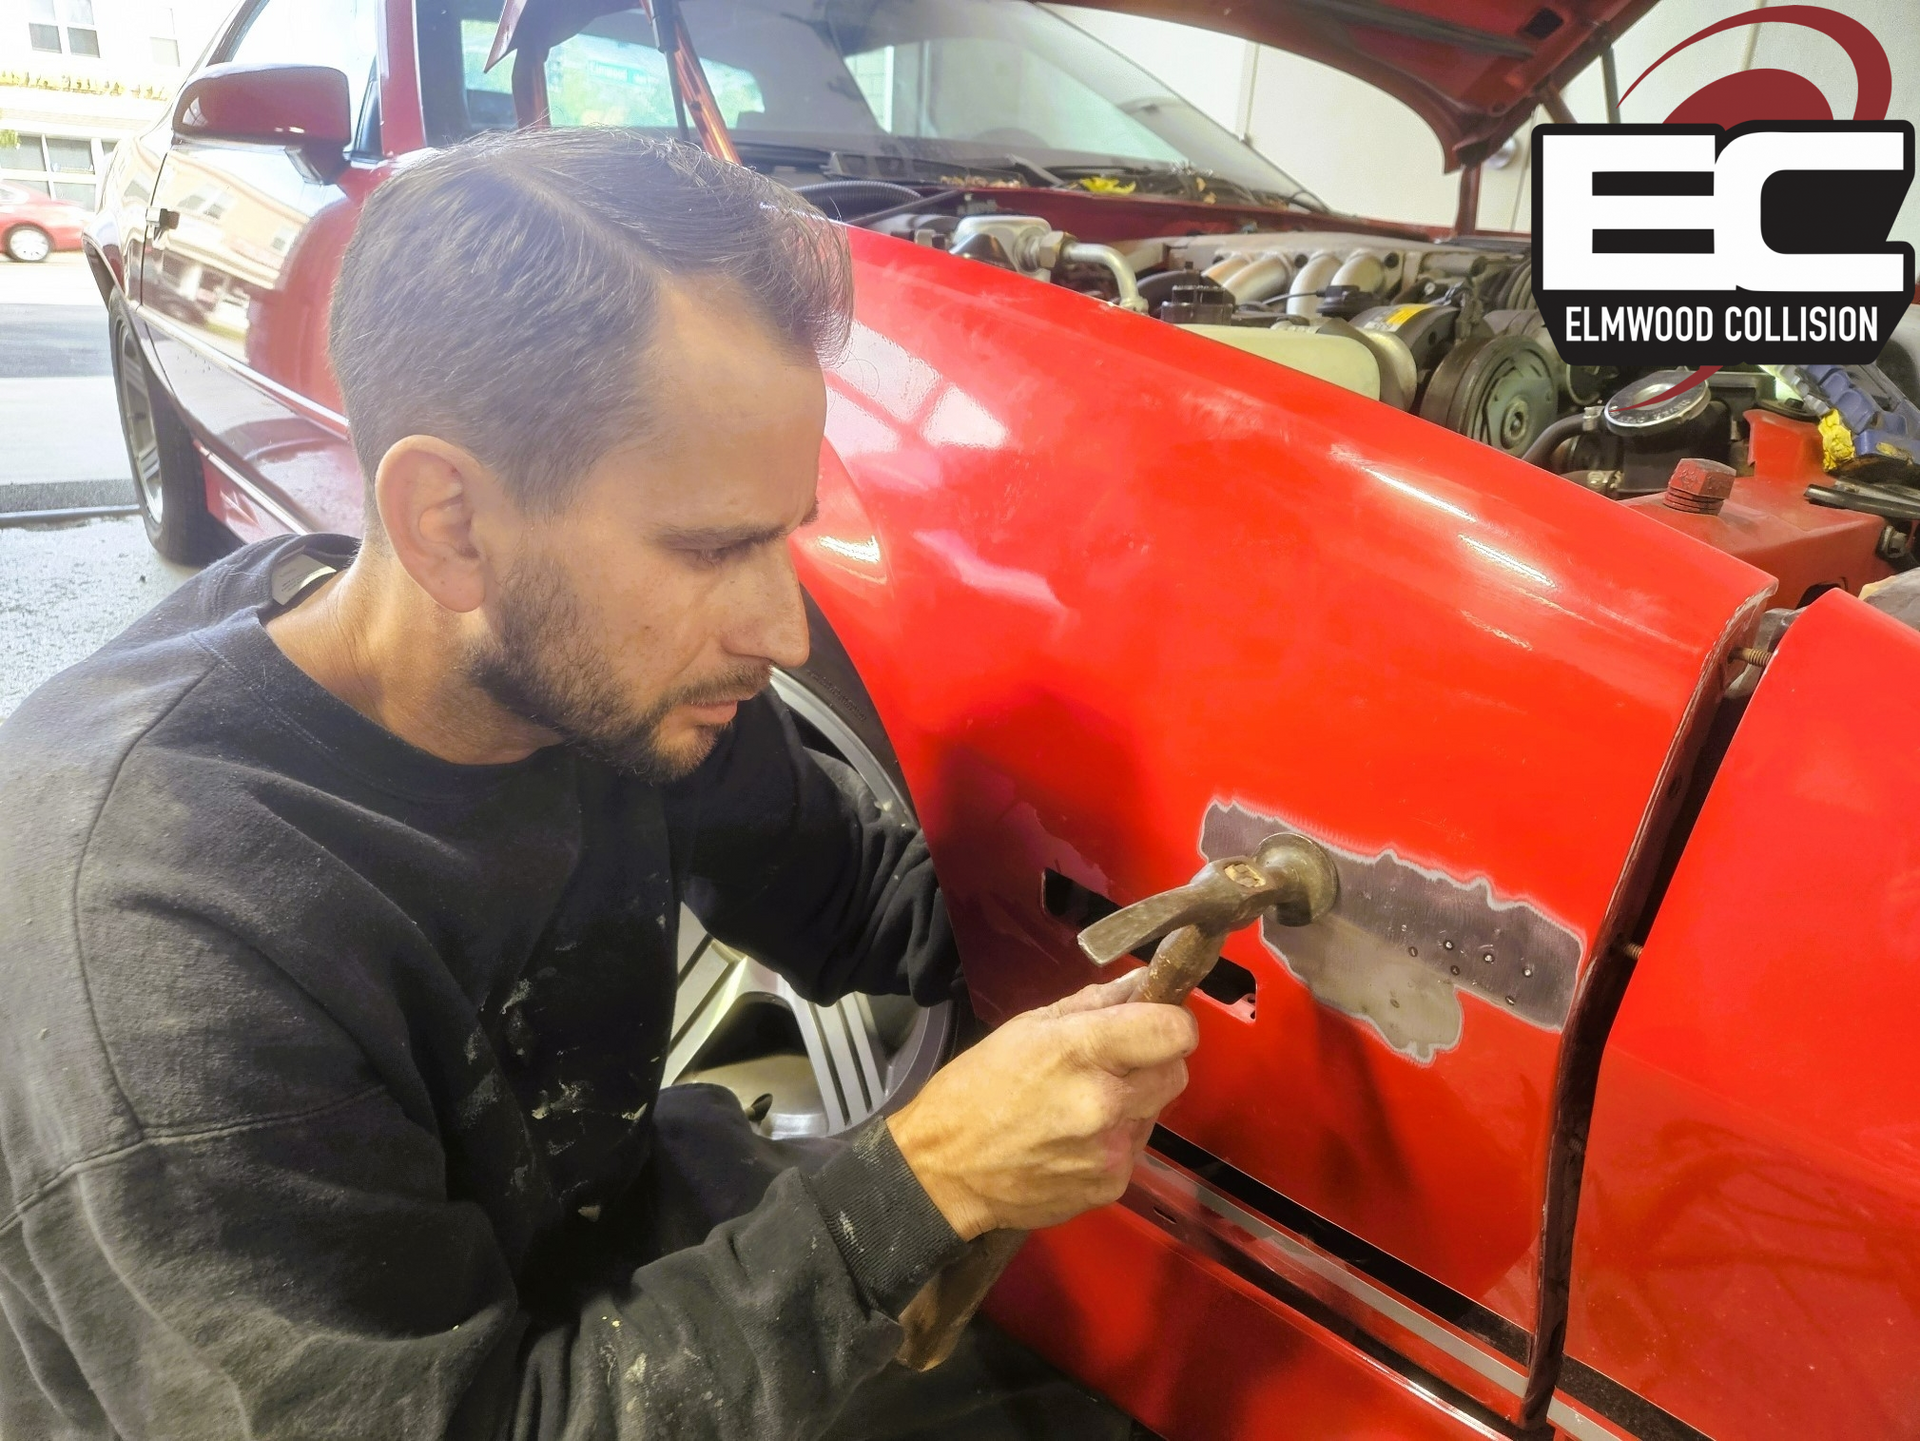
167, 478
28, 244
738, 1024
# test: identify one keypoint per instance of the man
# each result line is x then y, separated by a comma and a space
336, 942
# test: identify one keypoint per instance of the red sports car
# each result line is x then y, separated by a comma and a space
33, 226
1161, 510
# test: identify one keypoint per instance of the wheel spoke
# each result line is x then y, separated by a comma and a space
844, 1051
855, 1068
143, 443
710, 984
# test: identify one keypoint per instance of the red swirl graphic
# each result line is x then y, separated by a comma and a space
1780, 94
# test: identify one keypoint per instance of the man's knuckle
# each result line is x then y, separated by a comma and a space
1102, 1112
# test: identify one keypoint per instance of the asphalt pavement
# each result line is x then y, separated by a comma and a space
64, 589
60, 443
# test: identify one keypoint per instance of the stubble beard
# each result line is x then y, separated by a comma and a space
545, 666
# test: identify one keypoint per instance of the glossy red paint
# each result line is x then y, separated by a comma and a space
1099, 574
403, 125
1192, 1350
288, 105
1749, 1240
1769, 522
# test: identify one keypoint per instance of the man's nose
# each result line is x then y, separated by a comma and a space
777, 627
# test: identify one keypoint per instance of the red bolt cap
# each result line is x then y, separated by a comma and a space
1700, 486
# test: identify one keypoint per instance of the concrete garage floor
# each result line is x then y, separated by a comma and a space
64, 589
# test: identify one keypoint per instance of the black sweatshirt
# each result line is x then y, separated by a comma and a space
313, 1047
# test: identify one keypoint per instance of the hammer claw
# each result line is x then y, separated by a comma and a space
1130, 927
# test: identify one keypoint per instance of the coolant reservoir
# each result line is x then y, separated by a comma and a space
1343, 361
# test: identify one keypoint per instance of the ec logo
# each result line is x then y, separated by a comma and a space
1765, 241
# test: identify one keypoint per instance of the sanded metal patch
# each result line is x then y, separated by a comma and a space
1405, 941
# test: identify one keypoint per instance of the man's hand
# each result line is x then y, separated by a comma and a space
1045, 1118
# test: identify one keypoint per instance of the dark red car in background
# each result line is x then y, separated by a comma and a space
1162, 509
33, 226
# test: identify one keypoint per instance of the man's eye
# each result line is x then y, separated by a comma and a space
714, 558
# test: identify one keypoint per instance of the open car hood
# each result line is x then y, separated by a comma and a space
1473, 69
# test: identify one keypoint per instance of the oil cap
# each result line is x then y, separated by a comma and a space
1629, 414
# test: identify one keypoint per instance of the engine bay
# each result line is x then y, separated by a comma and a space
1448, 329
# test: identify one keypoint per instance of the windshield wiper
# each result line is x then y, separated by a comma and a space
843, 162
1020, 162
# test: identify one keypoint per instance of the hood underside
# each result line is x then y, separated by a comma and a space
1473, 69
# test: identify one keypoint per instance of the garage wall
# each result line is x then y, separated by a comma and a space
1363, 151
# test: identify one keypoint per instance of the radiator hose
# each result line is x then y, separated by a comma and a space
1547, 440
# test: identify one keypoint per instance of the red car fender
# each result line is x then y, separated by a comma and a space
1103, 578
1749, 1242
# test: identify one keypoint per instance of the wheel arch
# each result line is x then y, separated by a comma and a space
108, 275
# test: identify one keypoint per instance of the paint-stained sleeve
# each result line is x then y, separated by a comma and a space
762, 1331
787, 855
286, 1257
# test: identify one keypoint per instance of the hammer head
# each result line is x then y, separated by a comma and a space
1287, 874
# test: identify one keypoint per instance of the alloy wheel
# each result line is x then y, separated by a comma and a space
29, 244
143, 441
737, 1023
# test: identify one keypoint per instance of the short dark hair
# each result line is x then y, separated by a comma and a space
501, 293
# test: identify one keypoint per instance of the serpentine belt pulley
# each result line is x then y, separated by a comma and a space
1498, 389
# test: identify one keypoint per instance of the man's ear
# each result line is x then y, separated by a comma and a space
429, 494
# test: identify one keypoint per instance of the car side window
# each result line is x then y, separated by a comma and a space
339, 33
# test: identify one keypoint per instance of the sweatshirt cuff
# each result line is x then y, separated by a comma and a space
887, 1228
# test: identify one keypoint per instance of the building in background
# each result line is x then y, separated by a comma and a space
76, 76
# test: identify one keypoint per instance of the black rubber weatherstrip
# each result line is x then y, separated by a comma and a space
1706, 735
1329, 1319
1600, 1394
1396, 1275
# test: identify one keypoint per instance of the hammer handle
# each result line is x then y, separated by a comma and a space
1181, 963
935, 1317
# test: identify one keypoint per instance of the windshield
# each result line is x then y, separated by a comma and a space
967, 82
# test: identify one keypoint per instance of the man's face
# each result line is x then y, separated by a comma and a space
635, 621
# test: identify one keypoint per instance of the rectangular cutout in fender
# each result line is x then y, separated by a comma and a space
1066, 900
1232, 986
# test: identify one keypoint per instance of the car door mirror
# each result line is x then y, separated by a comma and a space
301, 109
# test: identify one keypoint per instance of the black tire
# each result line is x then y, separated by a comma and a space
829, 674
28, 244
168, 483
